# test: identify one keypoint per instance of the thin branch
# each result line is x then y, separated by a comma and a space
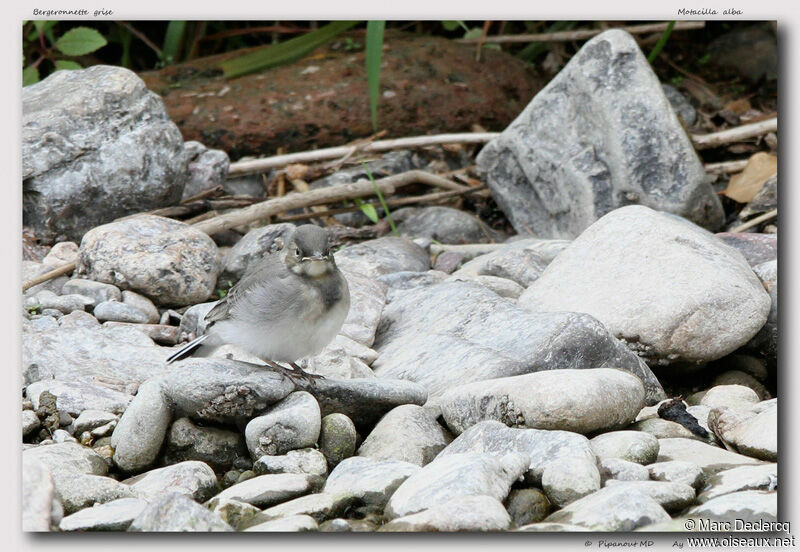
60, 271
142, 37
737, 134
582, 34
726, 167
756, 221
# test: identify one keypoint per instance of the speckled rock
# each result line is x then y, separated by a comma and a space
673, 497
97, 291
215, 446
756, 248
337, 438
38, 496
374, 258
443, 224
176, 512
267, 490
193, 478
527, 506
74, 398
753, 432
289, 524
83, 490
457, 475
143, 304
408, 433
290, 424
93, 137
611, 509
206, 168
460, 332
570, 479
601, 135
621, 470
677, 471
168, 261
235, 513
373, 481
709, 302
582, 401
304, 461
744, 478
140, 432
116, 515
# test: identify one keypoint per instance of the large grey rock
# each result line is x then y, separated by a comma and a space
408, 433
120, 312
293, 423
709, 458
97, 291
168, 261
374, 258
140, 432
519, 265
143, 304
94, 138
309, 461
38, 495
669, 289
599, 136
177, 512
634, 446
367, 297
206, 168
373, 481
677, 471
86, 352
545, 448
614, 508
217, 447
342, 358
457, 475
443, 224
74, 398
753, 432
320, 506
744, 478
730, 396
582, 401
570, 479
399, 282
65, 460
463, 513
460, 332
253, 246
268, 490
191, 478
621, 470
116, 515
83, 490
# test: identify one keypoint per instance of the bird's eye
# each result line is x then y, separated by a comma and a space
297, 251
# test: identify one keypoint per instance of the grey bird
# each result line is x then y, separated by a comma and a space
288, 306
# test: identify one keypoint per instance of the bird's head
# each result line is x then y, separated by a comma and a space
308, 253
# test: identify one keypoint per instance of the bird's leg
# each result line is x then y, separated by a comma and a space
303, 374
284, 371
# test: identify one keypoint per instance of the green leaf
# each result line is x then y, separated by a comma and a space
661, 42
284, 52
453, 25
172, 41
381, 199
80, 41
67, 65
473, 33
369, 210
373, 63
30, 75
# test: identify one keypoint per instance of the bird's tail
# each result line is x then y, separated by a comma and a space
187, 349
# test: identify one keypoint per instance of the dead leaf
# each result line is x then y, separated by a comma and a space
744, 186
739, 106
296, 171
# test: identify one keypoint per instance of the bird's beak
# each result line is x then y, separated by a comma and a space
316, 258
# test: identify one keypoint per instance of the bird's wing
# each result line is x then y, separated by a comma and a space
270, 273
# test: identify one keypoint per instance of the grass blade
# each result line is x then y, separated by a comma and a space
284, 52
172, 41
381, 199
662, 40
374, 49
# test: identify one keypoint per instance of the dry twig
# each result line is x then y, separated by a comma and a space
582, 34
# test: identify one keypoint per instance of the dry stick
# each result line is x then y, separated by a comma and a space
756, 221
582, 34
60, 271
737, 134
427, 198
726, 167
259, 165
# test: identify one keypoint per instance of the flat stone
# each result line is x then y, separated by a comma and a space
709, 458
116, 515
744, 506
503, 287
616, 508
207, 168
733, 396
177, 512
367, 297
217, 447
65, 460
756, 248
673, 497
320, 506
445, 225
293, 423
74, 398
744, 478
373, 481
119, 312
634, 446
304, 461
83, 490
267, 490
97, 291
191, 478
167, 261
399, 282
518, 261
337, 438
91, 419
342, 358
374, 258
65, 304
601, 135
96, 136
235, 513
582, 401
454, 333
408, 433
677, 471
570, 479
454, 476
753, 432
143, 304
463, 513
709, 302
290, 524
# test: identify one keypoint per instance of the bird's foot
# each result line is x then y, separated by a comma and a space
303, 374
